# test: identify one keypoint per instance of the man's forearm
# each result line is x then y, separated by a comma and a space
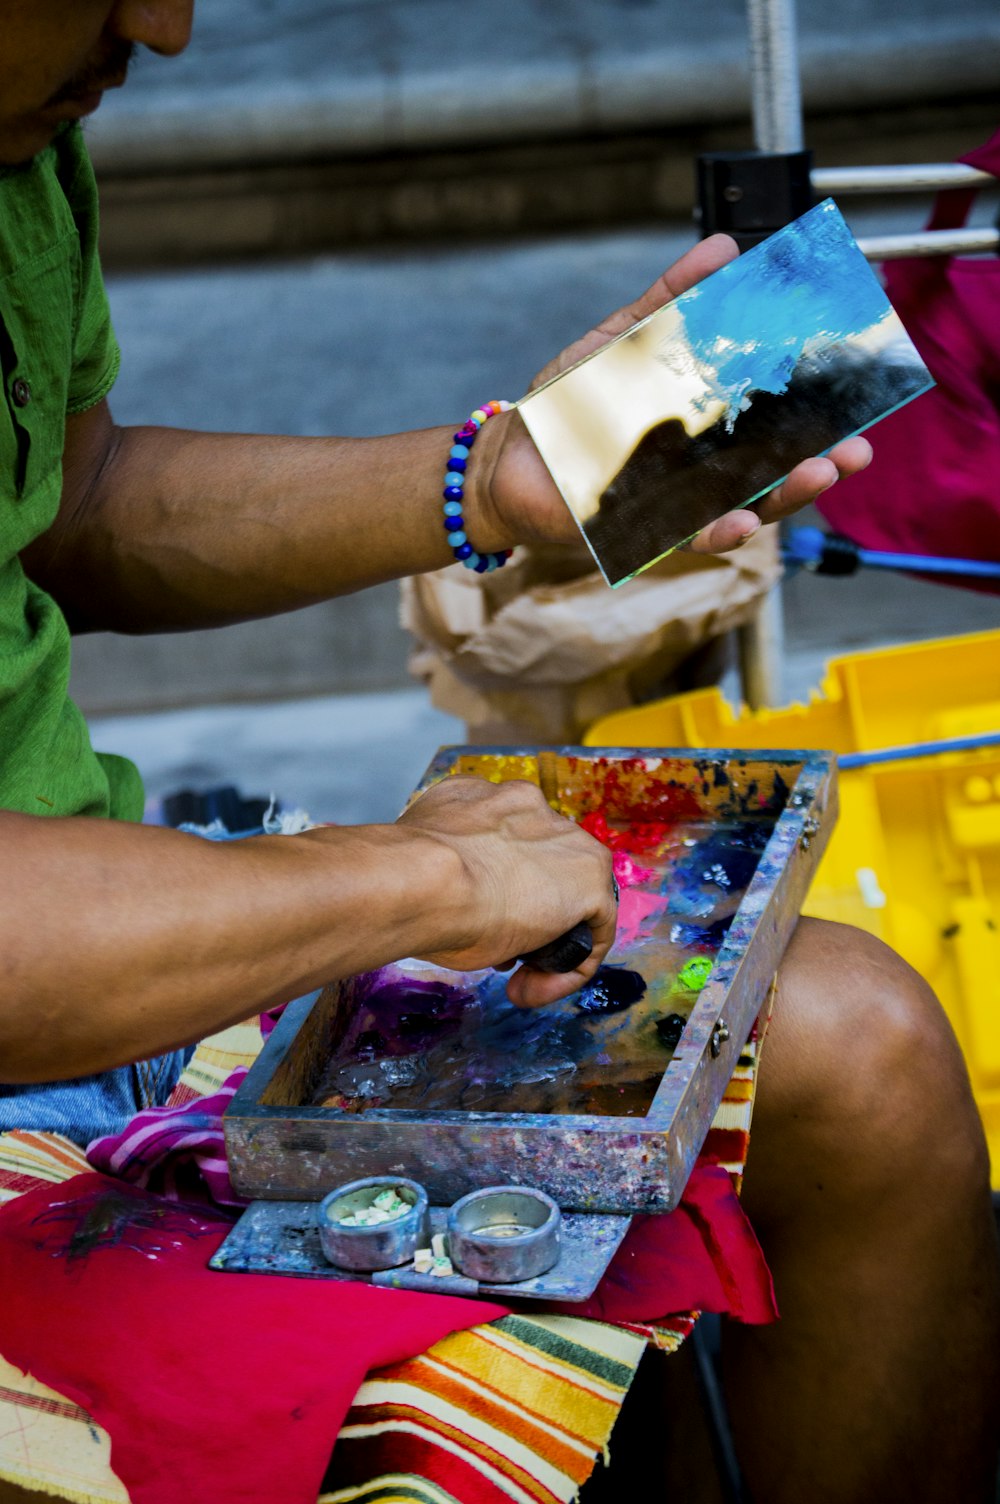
120, 941
164, 529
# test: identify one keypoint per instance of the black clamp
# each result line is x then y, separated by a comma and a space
750, 194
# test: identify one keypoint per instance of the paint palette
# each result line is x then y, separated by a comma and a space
604, 1099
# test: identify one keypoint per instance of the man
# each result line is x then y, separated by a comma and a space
867, 1180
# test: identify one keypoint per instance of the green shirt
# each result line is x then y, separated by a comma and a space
58, 355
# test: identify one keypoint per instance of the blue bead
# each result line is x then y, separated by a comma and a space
459, 452
453, 509
468, 439
454, 524
473, 561
453, 493
483, 565
455, 464
454, 478
492, 562
457, 539
501, 560
463, 551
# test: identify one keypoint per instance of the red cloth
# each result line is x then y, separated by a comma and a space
220, 1386
933, 487
706, 1250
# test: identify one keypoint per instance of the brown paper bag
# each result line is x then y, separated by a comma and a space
539, 650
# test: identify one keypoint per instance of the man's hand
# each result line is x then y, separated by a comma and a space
515, 494
528, 875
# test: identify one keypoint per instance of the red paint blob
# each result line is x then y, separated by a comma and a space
640, 835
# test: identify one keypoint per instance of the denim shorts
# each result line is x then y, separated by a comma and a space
90, 1107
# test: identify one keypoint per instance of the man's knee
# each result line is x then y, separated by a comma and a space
861, 1058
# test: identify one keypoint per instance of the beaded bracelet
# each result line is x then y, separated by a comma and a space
454, 490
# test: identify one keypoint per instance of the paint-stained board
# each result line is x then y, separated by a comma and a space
434, 1075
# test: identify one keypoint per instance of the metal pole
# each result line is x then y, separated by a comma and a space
913, 177
774, 75
777, 126
930, 243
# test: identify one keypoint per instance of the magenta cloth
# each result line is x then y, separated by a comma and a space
114, 1301
212, 1386
933, 487
161, 1147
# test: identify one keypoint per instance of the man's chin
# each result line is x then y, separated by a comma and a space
23, 139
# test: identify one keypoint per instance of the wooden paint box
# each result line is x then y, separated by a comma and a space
778, 809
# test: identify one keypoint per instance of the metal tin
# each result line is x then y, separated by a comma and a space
383, 1245
504, 1233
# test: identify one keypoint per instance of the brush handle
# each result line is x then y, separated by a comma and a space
564, 954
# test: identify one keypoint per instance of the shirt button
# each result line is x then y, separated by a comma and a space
21, 392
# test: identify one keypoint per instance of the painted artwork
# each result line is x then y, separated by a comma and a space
713, 399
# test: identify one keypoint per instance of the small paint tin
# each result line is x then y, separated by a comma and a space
382, 1245
504, 1234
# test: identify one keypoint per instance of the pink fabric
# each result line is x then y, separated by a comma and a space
933, 487
161, 1143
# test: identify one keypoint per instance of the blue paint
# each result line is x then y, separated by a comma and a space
808, 285
707, 937
612, 989
720, 864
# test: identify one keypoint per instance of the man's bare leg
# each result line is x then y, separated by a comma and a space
867, 1183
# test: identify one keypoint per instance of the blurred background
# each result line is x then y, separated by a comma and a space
356, 216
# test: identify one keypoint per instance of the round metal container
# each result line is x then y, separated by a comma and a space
383, 1245
504, 1233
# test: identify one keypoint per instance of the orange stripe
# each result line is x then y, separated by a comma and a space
502, 1420
542, 1414
468, 1444
50, 1148
515, 1373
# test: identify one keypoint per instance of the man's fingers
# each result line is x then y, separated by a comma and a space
529, 988
535, 989
726, 533
813, 477
797, 490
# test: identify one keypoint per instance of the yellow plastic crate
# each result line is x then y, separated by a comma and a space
915, 858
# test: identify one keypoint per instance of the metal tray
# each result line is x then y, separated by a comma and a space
282, 1237
280, 1147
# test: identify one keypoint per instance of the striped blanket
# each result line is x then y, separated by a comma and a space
519, 1410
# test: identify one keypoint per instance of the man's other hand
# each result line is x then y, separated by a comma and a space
517, 499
